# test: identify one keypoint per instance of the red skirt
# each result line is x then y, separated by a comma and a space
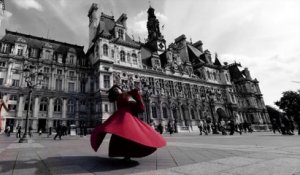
131, 137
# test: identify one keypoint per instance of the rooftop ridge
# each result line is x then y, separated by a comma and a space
41, 38
107, 16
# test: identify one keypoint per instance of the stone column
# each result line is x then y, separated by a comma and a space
8, 80
20, 106
77, 112
64, 111
36, 107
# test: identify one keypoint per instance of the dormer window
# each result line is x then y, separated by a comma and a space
4, 48
105, 50
121, 33
47, 55
33, 53
71, 61
20, 50
59, 58
122, 56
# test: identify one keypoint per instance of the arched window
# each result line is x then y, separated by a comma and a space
122, 56
193, 114
134, 58
71, 106
154, 112
165, 111
57, 105
44, 104
105, 50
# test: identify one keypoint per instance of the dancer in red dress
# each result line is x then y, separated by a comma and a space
131, 137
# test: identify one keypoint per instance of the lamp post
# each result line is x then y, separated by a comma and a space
146, 94
29, 73
211, 103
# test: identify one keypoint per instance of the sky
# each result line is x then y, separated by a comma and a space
262, 35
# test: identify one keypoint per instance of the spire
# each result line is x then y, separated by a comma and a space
152, 25
217, 62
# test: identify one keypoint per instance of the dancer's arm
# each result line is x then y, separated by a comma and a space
139, 104
4, 105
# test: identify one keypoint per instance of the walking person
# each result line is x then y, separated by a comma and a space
8, 131
131, 137
50, 131
170, 128
200, 126
18, 131
58, 132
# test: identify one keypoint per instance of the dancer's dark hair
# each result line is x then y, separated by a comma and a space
112, 96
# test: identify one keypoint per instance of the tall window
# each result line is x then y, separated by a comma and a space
33, 53
58, 85
20, 50
46, 83
13, 97
59, 71
44, 104
4, 48
2, 64
72, 59
154, 112
134, 58
165, 112
1, 81
71, 73
105, 107
112, 54
215, 76
193, 114
208, 74
128, 57
57, 105
15, 83
71, 87
46, 70
82, 86
82, 106
171, 84
106, 81
47, 55
120, 33
71, 106
26, 104
105, 50
122, 56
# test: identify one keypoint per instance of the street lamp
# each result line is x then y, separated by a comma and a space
211, 103
29, 73
147, 92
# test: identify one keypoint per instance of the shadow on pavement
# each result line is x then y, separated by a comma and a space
66, 165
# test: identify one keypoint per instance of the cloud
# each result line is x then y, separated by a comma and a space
28, 4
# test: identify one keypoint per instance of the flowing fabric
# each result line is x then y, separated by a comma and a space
131, 137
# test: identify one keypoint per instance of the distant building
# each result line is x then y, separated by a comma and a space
180, 82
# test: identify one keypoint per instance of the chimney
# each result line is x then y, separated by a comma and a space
199, 45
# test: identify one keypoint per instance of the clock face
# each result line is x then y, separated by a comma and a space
160, 45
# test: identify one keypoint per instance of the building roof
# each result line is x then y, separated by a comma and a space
235, 72
40, 42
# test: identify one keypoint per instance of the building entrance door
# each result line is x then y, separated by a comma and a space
42, 125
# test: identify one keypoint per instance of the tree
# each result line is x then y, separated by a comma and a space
290, 104
273, 113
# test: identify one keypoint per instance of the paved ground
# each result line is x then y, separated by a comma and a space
186, 153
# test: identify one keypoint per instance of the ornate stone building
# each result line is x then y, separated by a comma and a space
181, 83
63, 94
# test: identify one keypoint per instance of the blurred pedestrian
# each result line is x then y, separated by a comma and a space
19, 131
58, 132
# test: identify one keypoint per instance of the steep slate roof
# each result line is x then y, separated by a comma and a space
106, 29
217, 62
39, 43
